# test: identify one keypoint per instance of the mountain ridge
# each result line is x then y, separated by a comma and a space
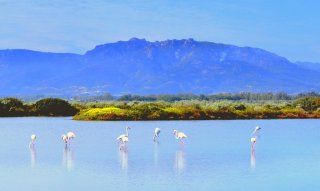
143, 67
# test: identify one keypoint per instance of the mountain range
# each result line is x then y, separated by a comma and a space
138, 66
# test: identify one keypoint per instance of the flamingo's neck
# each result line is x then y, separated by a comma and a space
176, 135
127, 131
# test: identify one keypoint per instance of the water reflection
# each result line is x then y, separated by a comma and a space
123, 159
253, 159
180, 162
33, 158
155, 153
68, 158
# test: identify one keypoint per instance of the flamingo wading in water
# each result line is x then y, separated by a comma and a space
156, 134
33, 140
124, 138
253, 141
179, 135
66, 138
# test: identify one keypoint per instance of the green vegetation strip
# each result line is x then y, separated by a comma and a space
306, 107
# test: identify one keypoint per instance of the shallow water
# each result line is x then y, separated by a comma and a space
216, 156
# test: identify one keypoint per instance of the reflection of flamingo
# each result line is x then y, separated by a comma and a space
155, 153
179, 135
32, 157
180, 161
32, 141
156, 134
124, 138
253, 159
123, 159
67, 158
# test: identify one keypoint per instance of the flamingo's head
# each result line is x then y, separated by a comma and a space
258, 127
175, 132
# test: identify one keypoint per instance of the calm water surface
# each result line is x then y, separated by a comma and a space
216, 156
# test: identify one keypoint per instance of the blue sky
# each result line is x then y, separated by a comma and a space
290, 28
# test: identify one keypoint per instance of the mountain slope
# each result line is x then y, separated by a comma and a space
143, 67
309, 65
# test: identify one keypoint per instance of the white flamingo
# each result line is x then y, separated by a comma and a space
179, 135
33, 140
124, 138
156, 134
66, 138
253, 141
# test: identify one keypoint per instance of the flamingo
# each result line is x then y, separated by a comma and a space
179, 135
124, 138
253, 141
33, 140
66, 138
156, 134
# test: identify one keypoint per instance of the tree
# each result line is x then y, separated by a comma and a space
12, 107
54, 107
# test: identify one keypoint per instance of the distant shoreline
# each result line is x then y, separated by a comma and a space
220, 119
305, 108
301, 108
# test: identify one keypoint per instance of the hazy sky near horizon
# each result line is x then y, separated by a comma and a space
290, 28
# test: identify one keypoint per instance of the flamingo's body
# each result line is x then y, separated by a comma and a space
71, 135
253, 140
33, 138
179, 135
124, 138
156, 133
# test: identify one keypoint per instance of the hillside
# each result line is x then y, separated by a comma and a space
142, 67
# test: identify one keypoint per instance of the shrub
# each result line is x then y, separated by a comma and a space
108, 113
12, 107
54, 107
308, 103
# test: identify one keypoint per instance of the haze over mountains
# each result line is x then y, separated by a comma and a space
138, 66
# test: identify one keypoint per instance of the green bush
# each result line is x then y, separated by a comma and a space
10, 107
308, 103
54, 107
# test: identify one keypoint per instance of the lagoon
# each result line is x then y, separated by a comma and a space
216, 155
